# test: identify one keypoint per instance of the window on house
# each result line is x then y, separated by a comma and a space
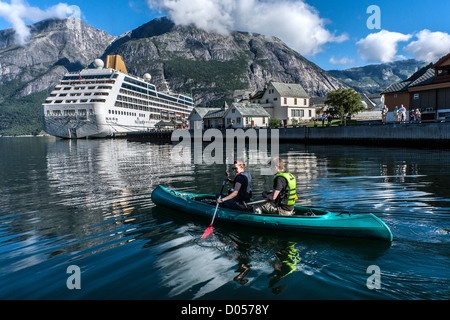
238, 120
285, 100
295, 101
297, 113
416, 96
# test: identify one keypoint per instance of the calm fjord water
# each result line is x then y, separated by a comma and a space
87, 203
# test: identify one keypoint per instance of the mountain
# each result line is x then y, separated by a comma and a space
375, 78
56, 46
209, 66
28, 73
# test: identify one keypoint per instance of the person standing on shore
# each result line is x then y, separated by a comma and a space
396, 114
417, 115
411, 115
402, 114
384, 112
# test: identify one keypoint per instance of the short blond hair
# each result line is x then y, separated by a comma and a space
277, 161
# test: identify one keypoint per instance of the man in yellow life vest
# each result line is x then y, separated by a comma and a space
282, 197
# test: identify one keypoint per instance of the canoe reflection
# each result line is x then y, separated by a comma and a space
256, 259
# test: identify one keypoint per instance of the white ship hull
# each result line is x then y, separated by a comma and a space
100, 103
94, 125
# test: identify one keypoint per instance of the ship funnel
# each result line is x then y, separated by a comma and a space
116, 62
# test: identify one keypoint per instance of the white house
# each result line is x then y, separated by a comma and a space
197, 115
246, 115
285, 102
214, 118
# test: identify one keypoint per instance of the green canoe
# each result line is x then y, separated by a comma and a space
306, 220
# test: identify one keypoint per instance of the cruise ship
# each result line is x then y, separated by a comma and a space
105, 101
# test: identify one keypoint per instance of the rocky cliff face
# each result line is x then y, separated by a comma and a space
55, 47
211, 66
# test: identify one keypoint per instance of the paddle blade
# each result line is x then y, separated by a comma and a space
208, 231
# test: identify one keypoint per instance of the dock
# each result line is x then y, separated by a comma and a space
433, 135
163, 136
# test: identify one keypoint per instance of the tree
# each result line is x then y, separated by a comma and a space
344, 102
273, 123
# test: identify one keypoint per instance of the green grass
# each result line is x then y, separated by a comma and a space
334, 123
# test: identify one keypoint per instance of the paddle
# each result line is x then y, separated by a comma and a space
210, 229
258, 202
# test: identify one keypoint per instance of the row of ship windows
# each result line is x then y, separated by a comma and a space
79, 84
165, 116
79, 112
79, 77
74, 101
87, 94
83, 88
125, 113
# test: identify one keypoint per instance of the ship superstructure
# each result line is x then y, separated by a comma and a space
107, 101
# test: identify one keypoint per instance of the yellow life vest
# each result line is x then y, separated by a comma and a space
289, 195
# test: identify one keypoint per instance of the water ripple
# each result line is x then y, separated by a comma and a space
88, 203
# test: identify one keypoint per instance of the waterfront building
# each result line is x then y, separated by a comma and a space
246, 115
427, 90
285, 102
238, 115
196, 117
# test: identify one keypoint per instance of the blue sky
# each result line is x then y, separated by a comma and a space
332, 34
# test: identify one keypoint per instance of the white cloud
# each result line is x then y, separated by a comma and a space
295, 22
429, 46
342, 61
19, 12
381, 46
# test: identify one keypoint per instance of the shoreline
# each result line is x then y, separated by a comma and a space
419, 135
428, 135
